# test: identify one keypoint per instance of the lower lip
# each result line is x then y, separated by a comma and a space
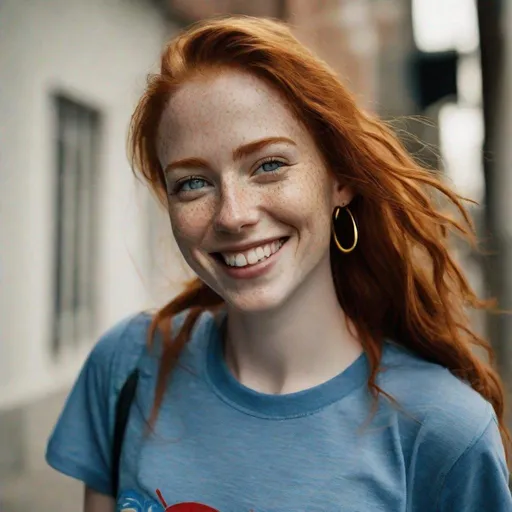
253, 271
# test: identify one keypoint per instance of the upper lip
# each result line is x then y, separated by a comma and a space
249, 245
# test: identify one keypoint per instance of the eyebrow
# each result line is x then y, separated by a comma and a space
252, 147
238, 153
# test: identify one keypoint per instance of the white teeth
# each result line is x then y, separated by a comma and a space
252, 256
240, 260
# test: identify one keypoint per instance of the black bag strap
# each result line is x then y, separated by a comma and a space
123, 406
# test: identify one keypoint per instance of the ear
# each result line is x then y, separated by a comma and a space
342, 194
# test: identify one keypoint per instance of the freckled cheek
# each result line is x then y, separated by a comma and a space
300, 203
190, 222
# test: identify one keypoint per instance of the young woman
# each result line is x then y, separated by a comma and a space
323, 360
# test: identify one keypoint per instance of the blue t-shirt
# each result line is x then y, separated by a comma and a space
219, 446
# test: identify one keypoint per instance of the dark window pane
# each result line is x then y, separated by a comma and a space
76, 139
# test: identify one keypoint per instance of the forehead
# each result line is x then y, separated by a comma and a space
222, 111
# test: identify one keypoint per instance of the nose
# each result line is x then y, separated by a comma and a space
237, 209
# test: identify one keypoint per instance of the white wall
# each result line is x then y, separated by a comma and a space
99, 51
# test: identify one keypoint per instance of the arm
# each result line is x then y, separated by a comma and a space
479, 478
97, 502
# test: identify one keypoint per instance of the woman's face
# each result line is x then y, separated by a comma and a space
250, 199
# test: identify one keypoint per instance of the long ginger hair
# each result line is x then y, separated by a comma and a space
401, 282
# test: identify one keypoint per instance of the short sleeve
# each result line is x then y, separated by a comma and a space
479, 479
80, 445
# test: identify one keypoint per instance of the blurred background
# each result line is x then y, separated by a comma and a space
82, 244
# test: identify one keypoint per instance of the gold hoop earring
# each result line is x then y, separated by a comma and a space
356, 234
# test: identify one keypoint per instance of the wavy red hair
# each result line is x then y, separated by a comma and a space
401, 282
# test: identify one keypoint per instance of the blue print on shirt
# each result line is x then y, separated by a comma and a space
131, 501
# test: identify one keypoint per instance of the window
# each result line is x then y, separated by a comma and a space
76, 146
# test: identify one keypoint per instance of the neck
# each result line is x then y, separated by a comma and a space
296, 346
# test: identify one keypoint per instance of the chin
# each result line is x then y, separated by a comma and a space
254, 301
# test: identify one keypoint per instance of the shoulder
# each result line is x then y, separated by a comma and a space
128, 334
120, 346
81, 442
449, 432
478, 479
431, 390
449, 415
124, 344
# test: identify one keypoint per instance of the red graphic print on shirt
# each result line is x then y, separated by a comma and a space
184, 507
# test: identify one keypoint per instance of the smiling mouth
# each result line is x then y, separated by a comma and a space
251, 257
